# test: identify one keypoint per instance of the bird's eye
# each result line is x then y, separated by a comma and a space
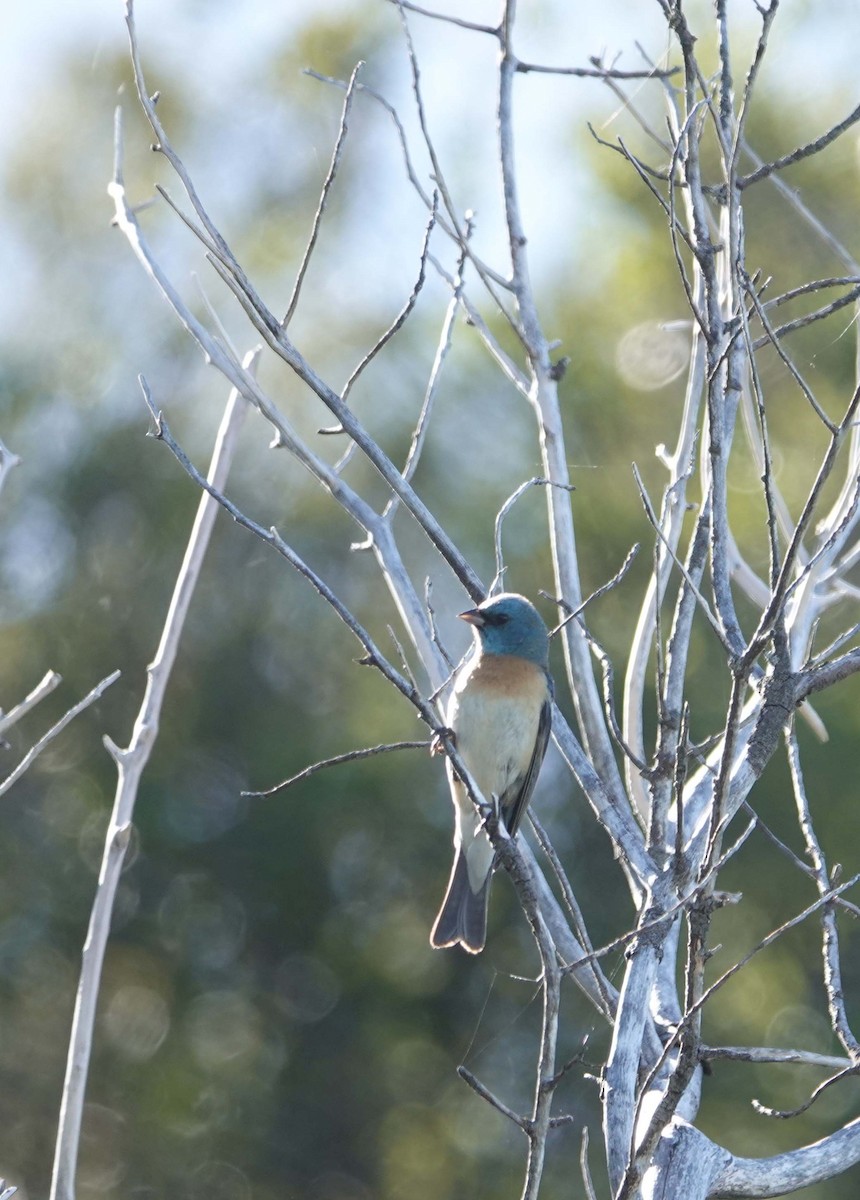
499, 619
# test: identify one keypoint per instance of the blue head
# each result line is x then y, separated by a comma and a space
510, 624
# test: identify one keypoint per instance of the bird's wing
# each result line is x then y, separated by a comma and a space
515, 802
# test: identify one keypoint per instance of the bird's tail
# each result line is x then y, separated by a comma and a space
463, 916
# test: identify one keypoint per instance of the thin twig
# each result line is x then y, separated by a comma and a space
337, 153
830, 936
595, 72
784, 583
804, 289
269, 328
500, 519
570, 903
485, 1094
655, 524
473, 26
571, 613
57, 728
489, 282
419, 433
162, 146
401, 318
785, 1114
813, 147
819, 314
587, 1181
411, 173
336, 761
43, 688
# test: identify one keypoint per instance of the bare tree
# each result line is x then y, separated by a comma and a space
668, 804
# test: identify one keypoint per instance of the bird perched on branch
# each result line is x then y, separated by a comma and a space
499, 713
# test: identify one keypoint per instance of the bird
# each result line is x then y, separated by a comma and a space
499, 714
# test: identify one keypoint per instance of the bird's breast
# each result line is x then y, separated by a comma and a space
494, 712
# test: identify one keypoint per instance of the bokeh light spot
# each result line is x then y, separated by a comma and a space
137, 1021
651, 354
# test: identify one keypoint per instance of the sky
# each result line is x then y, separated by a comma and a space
814, 42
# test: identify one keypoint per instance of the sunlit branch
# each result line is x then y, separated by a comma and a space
43, 688
45, 740
830, 936
771, 1054
587, 1181
130, 764
544, 399
8, 460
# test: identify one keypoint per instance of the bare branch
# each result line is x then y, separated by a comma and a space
449, 20
130, 766
336, 761
500, 519
595, 72
703, 604
771, 1054
43, 688
814, 147
575, 912
489, 282
814, 285
401, 318
587, 1181
35, 750
485, 1094
248, 387
793, 1170
8, 460
162, 146
784, 1114
819, 314
396, 325
830, 936
783, 583
825, 676
791, 196
324, 194
545, 402
419, 433
373, 655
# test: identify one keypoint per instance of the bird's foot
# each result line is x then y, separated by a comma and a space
440, 736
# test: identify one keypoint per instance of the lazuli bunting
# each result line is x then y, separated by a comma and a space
500, 713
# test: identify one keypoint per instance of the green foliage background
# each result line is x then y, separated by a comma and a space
273, 1021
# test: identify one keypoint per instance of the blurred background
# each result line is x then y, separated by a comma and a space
273, 1022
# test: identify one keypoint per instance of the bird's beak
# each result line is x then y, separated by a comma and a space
473, 616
